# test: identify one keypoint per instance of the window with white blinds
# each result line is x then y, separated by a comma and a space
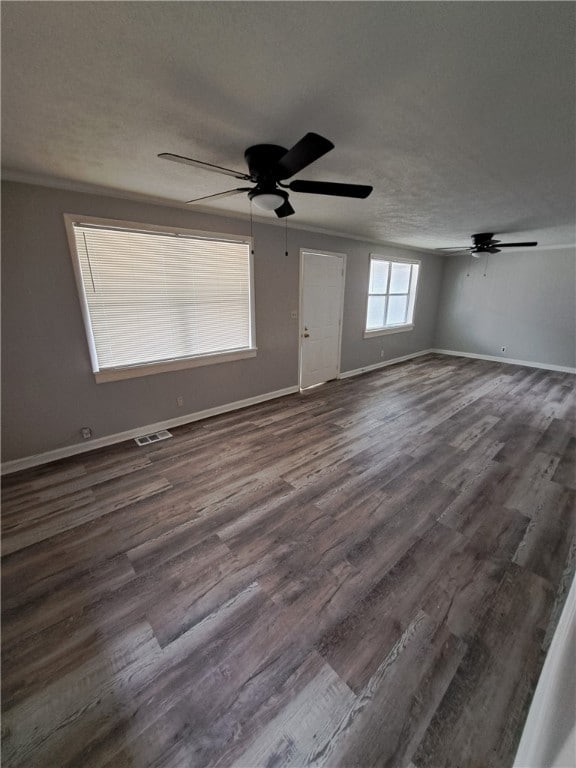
158, 298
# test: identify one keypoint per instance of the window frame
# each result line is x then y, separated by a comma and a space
412, 297
145, 369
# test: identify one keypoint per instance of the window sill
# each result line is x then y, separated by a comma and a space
386, 331
148, 369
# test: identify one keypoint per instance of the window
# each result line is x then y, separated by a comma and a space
160, 299
391, 295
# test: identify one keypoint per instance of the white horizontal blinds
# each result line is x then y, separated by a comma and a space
155, 297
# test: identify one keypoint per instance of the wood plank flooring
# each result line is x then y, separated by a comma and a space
367, 574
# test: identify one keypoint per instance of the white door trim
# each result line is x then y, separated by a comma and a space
337, 255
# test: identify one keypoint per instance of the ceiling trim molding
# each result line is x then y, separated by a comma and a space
54, 182
68, 185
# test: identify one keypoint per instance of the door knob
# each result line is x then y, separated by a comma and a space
306, 335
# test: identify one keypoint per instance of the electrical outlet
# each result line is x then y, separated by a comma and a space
381, 353
180, 401
293, 315
86, 433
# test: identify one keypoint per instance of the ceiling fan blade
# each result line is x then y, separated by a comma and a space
516, 245
229, 193
284, 210
205, 166
331, 188
306, 151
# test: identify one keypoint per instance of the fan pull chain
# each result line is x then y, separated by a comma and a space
469, 265
486, 265
251, 230
286, 236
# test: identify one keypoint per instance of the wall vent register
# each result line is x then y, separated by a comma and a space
154, 437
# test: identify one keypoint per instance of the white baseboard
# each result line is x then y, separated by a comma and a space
101, 442
509, 360
384, 363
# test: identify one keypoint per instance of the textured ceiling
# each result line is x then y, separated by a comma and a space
460, 114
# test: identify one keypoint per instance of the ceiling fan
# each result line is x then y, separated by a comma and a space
485, 243
269, 165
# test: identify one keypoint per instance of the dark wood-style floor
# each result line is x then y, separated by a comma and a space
367, 574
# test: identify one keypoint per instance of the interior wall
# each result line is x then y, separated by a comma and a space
48, 388
522, 300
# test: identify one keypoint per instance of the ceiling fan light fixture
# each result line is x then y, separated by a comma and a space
268, 166
268, 201
485, 243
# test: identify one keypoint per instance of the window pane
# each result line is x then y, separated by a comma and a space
378, 276
400, 279
396, 314
376, 309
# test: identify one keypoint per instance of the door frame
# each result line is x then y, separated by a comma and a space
336, 255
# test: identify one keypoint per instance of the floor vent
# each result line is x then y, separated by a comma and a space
153, 438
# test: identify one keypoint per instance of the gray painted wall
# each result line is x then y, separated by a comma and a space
526, 302
48, 389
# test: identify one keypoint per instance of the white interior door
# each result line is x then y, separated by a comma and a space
321, 299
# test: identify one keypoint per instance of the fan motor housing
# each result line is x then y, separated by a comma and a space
484, 239
262, 159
